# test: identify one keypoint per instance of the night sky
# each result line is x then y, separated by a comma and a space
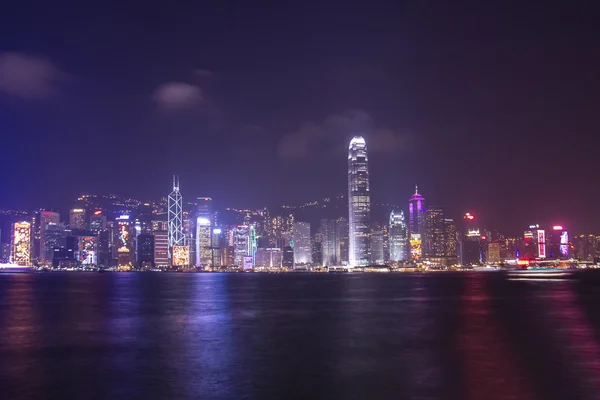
490, 107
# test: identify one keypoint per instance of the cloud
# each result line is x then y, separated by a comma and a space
27, 76
178, 96
298, 144
205, 73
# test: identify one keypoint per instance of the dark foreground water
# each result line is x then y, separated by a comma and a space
297, 336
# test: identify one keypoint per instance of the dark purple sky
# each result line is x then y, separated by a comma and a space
488, 107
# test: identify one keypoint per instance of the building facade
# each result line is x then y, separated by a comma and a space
359, 202
301, 243
397, 237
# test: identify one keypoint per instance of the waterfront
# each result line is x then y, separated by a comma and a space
330, 336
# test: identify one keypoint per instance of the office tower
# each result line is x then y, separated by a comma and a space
449, 238
558, 242
215, 246
77, 218
287, 257
432, 232
397, 237
55, 236
301, 243
175, 216
97, 221
416, 206
252, 242
359, 202
376, 246
342, 241
161, 249
494, 252
21, 254
124, 241
46, 217
240, 244
268, 258
87, 250
317, 254
145, 250
203, 242
227, 255
204, 209
329, 245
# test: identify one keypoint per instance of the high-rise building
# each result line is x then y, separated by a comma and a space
227, 255
77, 218
252, 242
494, 252
87, 250
175, 216
46, 217
343, 240
203, 242
145, 250
330, 247
97, 221
376, 246
215, 246
161, 249
397, 237
558, 242
288, 257
450, 238
124, 236
416, 206
240, 244
21, 253
301, 243
205, 209
359, 202
432, 233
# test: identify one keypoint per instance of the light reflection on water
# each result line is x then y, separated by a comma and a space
259, 336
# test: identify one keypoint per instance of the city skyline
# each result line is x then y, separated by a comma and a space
458, 100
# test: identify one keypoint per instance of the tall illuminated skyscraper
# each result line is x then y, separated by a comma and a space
359, 202
175, 216
398, 243
416, 206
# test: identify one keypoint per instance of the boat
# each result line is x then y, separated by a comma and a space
14, 268
538, 273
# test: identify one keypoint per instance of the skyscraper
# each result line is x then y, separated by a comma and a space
450, 245
416, 206
46, 218
161, 249
432, 232
342, 239
145, 250
376, 246
302, 245
328, 244
398, 243
77, 218
175, 216
21, 254
203, 242
359, 202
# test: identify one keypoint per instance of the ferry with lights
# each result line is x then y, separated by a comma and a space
14, 268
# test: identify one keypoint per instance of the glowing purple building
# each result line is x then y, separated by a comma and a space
416, 206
